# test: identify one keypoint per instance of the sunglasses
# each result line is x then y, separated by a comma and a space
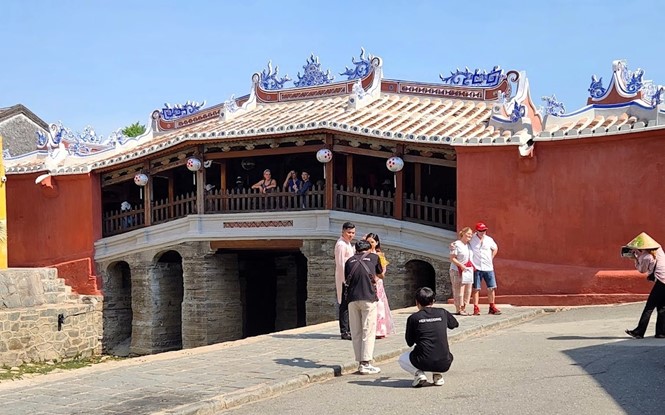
484, 230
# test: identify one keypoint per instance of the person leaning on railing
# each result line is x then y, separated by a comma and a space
267, 184
292, 183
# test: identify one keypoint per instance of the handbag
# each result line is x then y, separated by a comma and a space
467, 274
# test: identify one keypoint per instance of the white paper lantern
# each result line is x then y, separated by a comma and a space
324, 155
395, 164
141, 179
193, 164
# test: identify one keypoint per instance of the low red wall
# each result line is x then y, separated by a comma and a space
560, 217
55, 224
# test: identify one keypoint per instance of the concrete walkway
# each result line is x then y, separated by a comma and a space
209, 379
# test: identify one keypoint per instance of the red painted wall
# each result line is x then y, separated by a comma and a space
560, 217
55, 226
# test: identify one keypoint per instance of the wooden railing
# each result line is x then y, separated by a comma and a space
183, 205
249, 200
416, 208
359, 200
117, 221
430, 211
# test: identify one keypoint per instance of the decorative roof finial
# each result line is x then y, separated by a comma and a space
172, 112
313, 74
476, 78
363, 66
518, 112
269, 79
553, 106
596, 89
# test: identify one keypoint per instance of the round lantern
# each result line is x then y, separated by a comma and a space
324, 155
395, 164
193, 164
141, 179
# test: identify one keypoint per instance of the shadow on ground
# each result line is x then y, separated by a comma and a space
631, 372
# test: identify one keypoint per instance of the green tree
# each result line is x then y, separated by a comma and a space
134, 130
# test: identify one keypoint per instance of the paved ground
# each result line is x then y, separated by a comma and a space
213, 378
572, 362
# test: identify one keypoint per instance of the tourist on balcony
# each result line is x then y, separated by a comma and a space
360, 274
461, 270
239, 184
650, 259
125, 209
292, 183
384, 319
343, 251
305, 186
483, 251
267, 184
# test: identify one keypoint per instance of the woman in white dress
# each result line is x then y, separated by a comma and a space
461, 270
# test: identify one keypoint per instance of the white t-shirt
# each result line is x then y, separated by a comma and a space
482, 252
462, 253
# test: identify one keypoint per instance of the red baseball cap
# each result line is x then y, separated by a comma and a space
480, 226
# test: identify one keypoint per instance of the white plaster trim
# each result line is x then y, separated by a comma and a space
319, 224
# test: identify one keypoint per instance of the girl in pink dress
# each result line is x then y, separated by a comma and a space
384, 320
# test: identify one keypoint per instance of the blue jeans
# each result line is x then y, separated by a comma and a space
488, 276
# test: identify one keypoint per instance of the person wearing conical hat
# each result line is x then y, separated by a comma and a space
650, 259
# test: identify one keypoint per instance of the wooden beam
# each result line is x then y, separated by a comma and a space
223, 179
200, 190
262, 152
429, 160
263, 244
337, 148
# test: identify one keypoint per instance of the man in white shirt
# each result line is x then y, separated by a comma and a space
343, 251
484, 250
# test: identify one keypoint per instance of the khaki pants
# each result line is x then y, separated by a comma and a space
362, 319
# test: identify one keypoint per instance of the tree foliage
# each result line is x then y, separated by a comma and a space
133, 130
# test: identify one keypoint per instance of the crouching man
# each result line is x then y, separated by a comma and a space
427, 329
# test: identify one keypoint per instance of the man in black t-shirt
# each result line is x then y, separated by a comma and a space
427, 329
360, 272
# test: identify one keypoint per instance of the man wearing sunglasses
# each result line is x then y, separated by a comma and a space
484, 250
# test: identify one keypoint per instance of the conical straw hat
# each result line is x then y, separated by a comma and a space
643, 241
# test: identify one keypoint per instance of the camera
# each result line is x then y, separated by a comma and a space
627, 252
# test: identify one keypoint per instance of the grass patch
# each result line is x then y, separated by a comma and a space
42, 368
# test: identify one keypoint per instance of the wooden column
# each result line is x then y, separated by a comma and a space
222, 175
349, 171
169, 175
398, 213
399, 195
418, 178
329, 175
147, 196
200, 190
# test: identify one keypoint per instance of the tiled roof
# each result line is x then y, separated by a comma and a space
448, 114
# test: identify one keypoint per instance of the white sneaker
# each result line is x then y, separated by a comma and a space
419, 380
368, 369
437, 379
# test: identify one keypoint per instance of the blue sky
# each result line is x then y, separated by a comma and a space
108, 64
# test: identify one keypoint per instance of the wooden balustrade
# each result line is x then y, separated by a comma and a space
430, 211
416, 208
367, 201
183, 205
118, 221
248, 200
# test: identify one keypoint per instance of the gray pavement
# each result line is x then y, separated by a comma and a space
209, 379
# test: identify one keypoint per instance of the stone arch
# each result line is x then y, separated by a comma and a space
167, 296
419, 273
117, 309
